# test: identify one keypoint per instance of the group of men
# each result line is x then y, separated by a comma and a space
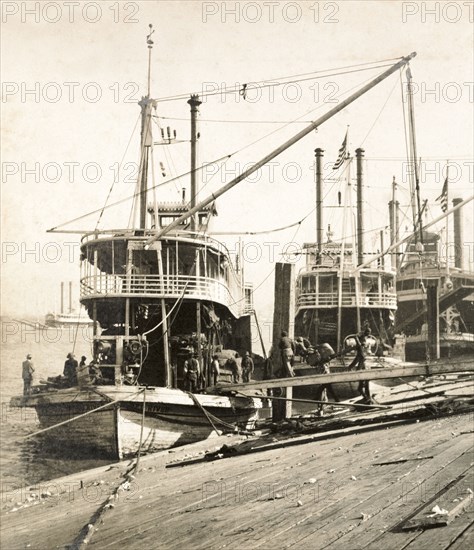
242, 370
73, 372
289, 348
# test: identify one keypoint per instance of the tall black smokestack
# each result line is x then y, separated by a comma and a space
394, 225
458, 235
194, 102
319, 198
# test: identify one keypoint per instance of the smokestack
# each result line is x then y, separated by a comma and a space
62, 297
382, 246
360, 212
394, 225
458, 235
319, 198
194, 102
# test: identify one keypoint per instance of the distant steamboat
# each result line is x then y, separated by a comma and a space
70, 318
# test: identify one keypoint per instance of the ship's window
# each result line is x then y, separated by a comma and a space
308, 284
327, 284
212, 270
387, 284
186, 261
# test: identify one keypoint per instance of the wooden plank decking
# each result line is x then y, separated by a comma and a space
326, 493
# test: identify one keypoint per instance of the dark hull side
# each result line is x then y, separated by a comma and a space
454, 346
320, 325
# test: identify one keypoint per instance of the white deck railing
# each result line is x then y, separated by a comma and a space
166, 286
330, 299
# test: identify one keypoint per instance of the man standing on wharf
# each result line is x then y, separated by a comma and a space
362, 345
247, 367
27, 374
287, 350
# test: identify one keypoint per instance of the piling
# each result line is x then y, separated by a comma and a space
432, 299
283, 320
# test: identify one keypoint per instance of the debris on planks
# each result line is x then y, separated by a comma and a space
401, 460
414, 404
446, 505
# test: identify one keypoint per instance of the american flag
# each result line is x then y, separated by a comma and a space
443, 198
342, 155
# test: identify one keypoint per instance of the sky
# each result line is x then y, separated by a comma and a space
73, 73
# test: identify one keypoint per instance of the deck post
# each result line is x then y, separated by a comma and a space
283, 319
432, 303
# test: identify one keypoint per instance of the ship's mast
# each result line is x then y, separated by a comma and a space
347, 197
360, 206
417, 211
146, 104
447, 222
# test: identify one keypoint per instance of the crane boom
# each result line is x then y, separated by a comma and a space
246, 173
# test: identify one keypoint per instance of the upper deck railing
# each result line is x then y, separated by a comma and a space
166, 286
349, 299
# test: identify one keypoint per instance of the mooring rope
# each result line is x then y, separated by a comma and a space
77, 417
206, 414
141, 430
212, 418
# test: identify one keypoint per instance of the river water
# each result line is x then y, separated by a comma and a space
24, 461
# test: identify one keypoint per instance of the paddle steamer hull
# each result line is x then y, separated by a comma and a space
168, 418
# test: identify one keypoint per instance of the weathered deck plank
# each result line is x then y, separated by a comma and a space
178, 510
245, 522
464, 540
442, 538
265, 474
384, 514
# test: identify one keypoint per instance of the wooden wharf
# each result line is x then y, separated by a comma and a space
347, 487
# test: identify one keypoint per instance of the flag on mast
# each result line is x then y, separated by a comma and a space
342, 154
443, 198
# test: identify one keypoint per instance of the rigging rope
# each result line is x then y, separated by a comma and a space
226, 157
380, 112
121, 201
120, 165
272, 82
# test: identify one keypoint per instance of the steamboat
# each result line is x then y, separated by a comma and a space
153, 305
435, 298
334, 298
423, 270
158, 291
70, 318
